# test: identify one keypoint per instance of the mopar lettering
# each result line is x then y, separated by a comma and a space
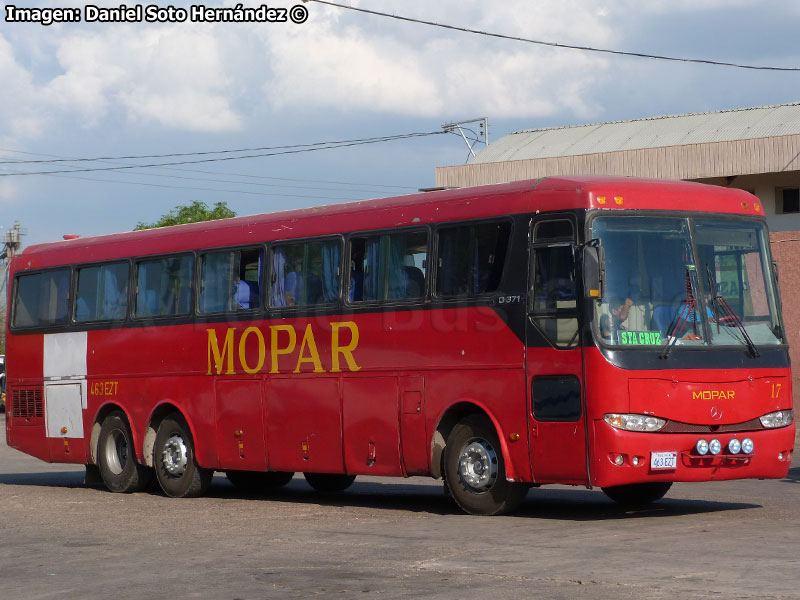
282, 342
714, 395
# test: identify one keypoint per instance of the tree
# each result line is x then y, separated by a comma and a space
194, 213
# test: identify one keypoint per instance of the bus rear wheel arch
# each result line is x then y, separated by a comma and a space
474, 469
176, 468
116, 457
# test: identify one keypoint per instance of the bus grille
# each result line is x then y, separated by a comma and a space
27, 403
678, 427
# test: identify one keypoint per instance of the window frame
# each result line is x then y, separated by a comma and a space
779, 200
198, 280
134, 289
435, 293
76, 267
267, 300
535, 244
425, 297
13, 327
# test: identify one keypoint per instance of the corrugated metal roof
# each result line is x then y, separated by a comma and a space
652, 132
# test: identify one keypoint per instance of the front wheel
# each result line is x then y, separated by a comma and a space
116, 459
329, 483
475, 472
637, 494
177, 471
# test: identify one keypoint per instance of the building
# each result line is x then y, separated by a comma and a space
754, 149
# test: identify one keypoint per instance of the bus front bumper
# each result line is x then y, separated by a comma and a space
625, 457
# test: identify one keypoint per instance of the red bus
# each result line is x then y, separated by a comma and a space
599, 332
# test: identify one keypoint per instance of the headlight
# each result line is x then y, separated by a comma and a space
734, 446
635, 422
702, 447
714, 446
779, 418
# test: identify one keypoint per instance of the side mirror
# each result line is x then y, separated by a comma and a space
594, 269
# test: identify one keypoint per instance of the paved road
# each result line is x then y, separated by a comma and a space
387, 538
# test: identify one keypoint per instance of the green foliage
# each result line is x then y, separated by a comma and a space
194, 213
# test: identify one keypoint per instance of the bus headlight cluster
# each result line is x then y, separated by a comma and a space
779, 418
714, 446
635, 422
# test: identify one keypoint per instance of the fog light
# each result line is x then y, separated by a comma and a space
780, 455
747, 446
734, 446
714, 446
635, 461
702, 447
619, 460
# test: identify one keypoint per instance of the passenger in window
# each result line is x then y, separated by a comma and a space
614, 321
293, 284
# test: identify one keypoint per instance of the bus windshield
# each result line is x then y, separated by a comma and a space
686, 282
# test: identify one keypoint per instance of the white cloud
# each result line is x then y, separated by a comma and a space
174, 76
20, 114
430, 71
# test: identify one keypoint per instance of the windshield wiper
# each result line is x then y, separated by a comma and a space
724, 312
685, 313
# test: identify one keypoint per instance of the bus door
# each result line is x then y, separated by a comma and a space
554, 365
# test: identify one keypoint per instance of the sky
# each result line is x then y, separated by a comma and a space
100, 89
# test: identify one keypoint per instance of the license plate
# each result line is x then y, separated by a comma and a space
663, 460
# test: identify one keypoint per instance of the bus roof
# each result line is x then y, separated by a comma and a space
547, 194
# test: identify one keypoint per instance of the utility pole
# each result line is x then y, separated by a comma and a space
479, 136
13, 242
11, 246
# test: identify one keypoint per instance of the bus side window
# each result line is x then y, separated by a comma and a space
230, 280
305, 274
102, 293
164, 286
554, 299
388, 266
42, 299
471, 259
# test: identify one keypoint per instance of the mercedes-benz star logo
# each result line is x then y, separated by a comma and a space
716, 413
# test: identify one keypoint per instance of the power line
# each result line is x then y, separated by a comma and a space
226, 158
364, 185
555, 44
194, 188
207, 152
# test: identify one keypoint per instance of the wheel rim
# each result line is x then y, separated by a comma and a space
116, 452
478, 466
175, 456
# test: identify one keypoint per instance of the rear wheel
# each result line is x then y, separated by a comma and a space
177, 471
258, 481
329, 483
638, 493
475, 472
116, 458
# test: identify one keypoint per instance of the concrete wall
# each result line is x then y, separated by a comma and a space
765, 186
786, 251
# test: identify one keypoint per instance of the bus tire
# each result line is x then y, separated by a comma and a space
116, 458
177, 471
637, 494
329, 482
259, 481
475, 472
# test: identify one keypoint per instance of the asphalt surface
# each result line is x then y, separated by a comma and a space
390, 538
